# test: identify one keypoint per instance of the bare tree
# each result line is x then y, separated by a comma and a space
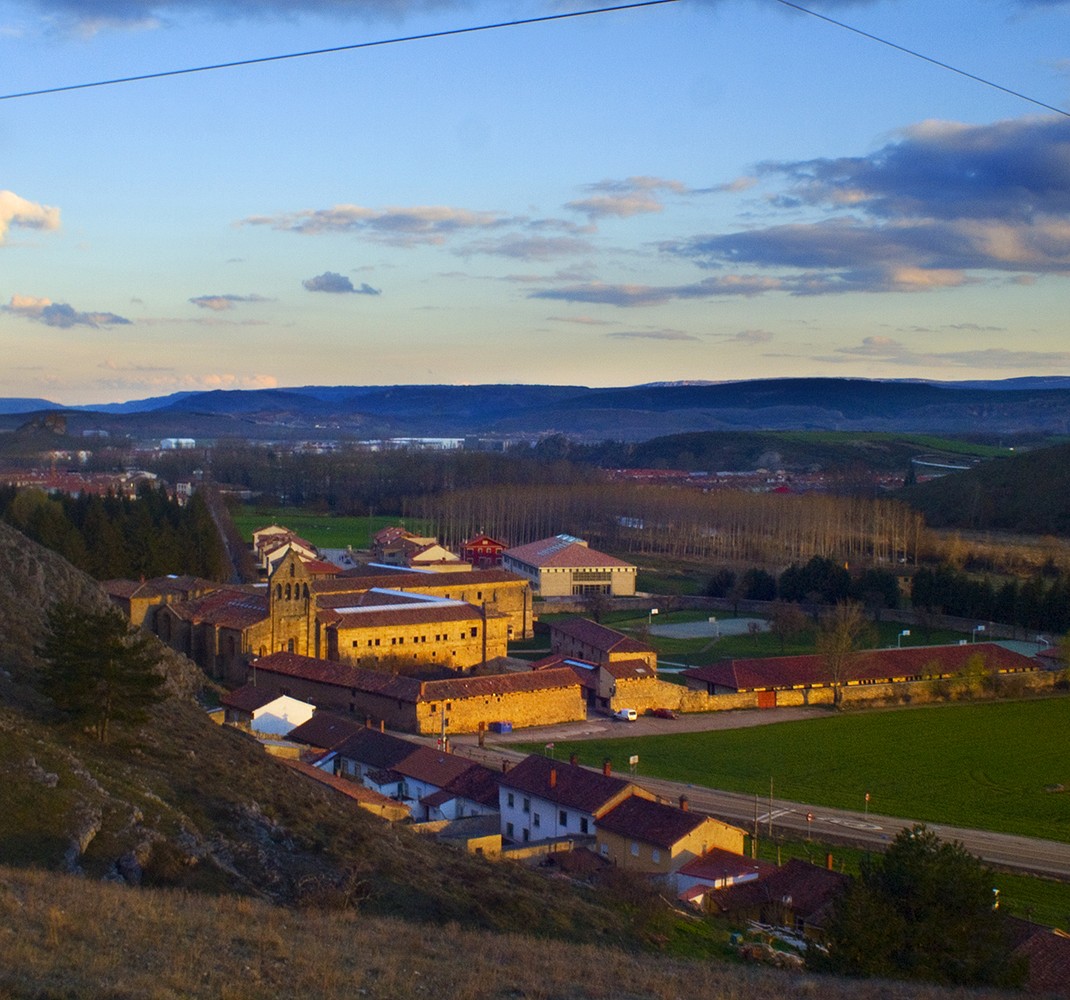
842, 632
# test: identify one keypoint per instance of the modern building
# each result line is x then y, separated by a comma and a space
564, 566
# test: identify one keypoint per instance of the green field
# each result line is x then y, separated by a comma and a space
322, 530
990, 765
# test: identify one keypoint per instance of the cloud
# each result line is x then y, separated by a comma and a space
520, 247
935, 208
750, 337
651, 335
16, 211
221, 303
649, 295
421, 224
335, 283
581, 320
888, 350
59, 314
625, 198
138, 379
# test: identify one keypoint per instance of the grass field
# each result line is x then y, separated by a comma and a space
990, 765
322, 530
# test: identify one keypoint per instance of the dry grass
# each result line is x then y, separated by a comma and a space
62, 936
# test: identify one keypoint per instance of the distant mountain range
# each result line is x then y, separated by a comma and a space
1006, 407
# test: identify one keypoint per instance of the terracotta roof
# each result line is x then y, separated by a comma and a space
629, 669
1048, 953
562, 551
375, 749
468, 687
432, 766
477, 784
160, 586
573, 786
324, 730
874, 665
320, 567
600, 637
585, 672
651, 822
717, 865
407, 579
812, 890
248, 698
406, 614
340, 675
352, 789
228, 608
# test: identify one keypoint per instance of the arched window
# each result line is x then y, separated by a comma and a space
287, 591
304, 589
278, 591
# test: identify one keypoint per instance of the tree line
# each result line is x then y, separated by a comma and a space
1040, 603
112, 537
722, 526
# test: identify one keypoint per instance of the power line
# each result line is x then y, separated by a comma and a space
929, 59
337, 48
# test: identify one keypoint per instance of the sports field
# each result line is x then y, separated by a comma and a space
322, 530
991, 765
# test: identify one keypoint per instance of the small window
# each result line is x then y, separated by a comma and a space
562, 818
583, 825
509, 800
536, 820
635, 849
655, 856
527, 805
509, 830
605, 850
475, 632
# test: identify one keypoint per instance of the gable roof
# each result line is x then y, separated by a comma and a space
248, 698
810, 889
600, 637
339, 675
432, 766
651, 822
375, 749
564, 784
352, 789
324, 730
227, 608
563, 551
873, 665
717, 865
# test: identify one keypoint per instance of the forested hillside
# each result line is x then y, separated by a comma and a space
1029, 494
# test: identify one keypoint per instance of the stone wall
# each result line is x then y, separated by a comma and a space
543, 707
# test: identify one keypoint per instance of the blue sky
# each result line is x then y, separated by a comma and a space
714, 190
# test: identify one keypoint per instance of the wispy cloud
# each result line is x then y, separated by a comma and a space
625, 198
222, 303
888, 350
59, 314
750, 337
17, 211
338, 284
135, 379
520, 247
421, 224
651, 335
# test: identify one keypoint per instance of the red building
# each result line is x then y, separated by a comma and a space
482, 551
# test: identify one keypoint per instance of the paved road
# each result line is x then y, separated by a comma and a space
1027, 854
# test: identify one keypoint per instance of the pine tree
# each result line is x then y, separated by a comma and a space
97, 669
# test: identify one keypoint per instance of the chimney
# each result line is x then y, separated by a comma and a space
382, 725
573, 759
685, 803
553, 777
505, 766
607, 767
828, 861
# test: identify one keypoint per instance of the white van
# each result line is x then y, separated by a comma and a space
626, 714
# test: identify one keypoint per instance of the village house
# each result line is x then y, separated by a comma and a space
798, 896
366, 799
482, 552
264, 713
544, 799
565, 566
654, 838
716, 869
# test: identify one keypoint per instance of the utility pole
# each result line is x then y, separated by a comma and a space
770, 806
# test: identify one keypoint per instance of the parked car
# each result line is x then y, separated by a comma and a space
626, 714
663, 713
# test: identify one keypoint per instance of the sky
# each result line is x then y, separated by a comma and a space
693, 190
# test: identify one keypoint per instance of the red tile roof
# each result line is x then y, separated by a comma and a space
573, 786
874, 666
651, 822
629, 669
247, 698
718, 865
375, 749
1048, 953
227, 608
352, 789
562, 551
812, 891
600, 637
339, 674
407, 579
493, 684
324, 730
432, 766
